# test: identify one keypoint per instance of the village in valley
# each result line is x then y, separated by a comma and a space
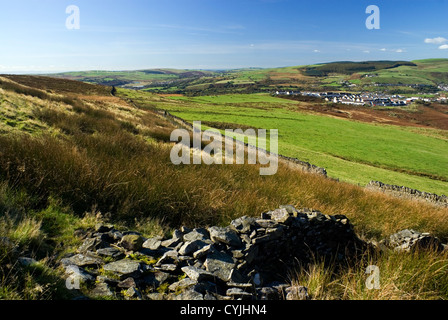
366, 98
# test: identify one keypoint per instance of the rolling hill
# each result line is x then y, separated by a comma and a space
391, 76
74, 157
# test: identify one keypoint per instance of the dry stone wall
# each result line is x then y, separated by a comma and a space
405, 192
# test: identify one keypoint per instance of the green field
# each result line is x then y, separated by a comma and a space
429, 71
351, 151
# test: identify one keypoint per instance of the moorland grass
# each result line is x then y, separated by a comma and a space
90, 167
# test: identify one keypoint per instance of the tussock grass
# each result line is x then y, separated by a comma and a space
93, 163
420, 275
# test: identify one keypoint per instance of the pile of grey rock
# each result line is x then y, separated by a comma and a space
411, 240
249, 259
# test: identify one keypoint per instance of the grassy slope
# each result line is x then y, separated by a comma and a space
429, 71
93, 158
352, 151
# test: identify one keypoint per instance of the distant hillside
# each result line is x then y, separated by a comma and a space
134, 78
347, 67
412, 77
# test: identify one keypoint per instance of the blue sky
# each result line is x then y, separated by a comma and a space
214, 34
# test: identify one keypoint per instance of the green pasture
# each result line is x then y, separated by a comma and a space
351, 151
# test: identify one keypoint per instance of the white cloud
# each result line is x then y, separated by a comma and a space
366, 51
316, 51
393, 50
443, 47
438, 40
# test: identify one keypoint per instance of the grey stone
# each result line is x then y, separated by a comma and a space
186, 260
203, 251
220, 264
124, 268
263, 239
281, 215
190, 294
238, 293
156, 278
127, 283
266, 223
92, 244
410, 240
316, 215
82, 260
78, 273
102, 290
132, 242
290, 209
246, 239
190, 247
115, 235
182, 284
133, 294
196, 234
226, 236
171, 243
152, 243
243, 224
197, 274
245, 286
297, 293
161, 276
166, 267
237, 254
155, 296
169, 257
110, 252
112, 281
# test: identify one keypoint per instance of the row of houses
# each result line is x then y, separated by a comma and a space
360, 99
365, 99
